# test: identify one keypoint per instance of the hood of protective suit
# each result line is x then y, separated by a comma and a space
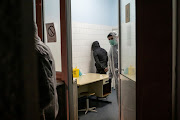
95, 45
114, 34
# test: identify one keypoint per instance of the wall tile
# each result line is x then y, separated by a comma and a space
82, 38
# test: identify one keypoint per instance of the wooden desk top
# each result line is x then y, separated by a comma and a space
90, 78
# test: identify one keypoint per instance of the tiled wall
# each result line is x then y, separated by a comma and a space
83, 35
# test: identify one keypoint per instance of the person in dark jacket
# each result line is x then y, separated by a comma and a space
48, 101
100, 57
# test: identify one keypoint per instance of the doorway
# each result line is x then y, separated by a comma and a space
154, 99
77, 36
90, 22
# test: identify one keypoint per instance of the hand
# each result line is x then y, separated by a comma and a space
106, 69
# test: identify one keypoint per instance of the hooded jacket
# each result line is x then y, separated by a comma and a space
100, 56
47, 78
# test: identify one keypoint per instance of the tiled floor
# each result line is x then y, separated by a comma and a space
105, 111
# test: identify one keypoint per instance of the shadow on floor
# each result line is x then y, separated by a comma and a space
105, 111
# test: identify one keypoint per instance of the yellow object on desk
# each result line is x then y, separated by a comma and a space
131, 70
75, 72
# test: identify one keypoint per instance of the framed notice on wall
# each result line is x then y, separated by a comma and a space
51, 32
128, 13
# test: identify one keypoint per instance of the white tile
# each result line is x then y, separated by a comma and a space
82, 38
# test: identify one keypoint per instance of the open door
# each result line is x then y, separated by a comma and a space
58, 12
67, 54
127, 59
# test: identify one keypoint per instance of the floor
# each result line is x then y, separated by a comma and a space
105, 111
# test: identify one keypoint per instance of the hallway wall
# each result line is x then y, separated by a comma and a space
18, 84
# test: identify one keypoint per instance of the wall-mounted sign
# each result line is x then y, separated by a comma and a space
51, 32
128, 13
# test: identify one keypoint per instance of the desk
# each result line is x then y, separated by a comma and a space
62, 114
94, 83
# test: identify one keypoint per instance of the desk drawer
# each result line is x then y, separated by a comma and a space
105, 81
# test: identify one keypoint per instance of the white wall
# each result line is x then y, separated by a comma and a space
95, 11
52, 15
83, 35
128, 36
128, 45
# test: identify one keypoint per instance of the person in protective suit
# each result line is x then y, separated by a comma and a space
48, 100
113, 58
100, 57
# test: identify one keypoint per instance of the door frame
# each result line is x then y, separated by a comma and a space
66, 49
177, 84
66, 44
175, 58
69, 56
119, 57
28, 67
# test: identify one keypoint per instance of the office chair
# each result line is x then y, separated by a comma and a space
87, 109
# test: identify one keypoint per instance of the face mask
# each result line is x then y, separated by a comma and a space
112, 42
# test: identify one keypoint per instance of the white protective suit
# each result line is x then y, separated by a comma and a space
48, 98
113, 61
